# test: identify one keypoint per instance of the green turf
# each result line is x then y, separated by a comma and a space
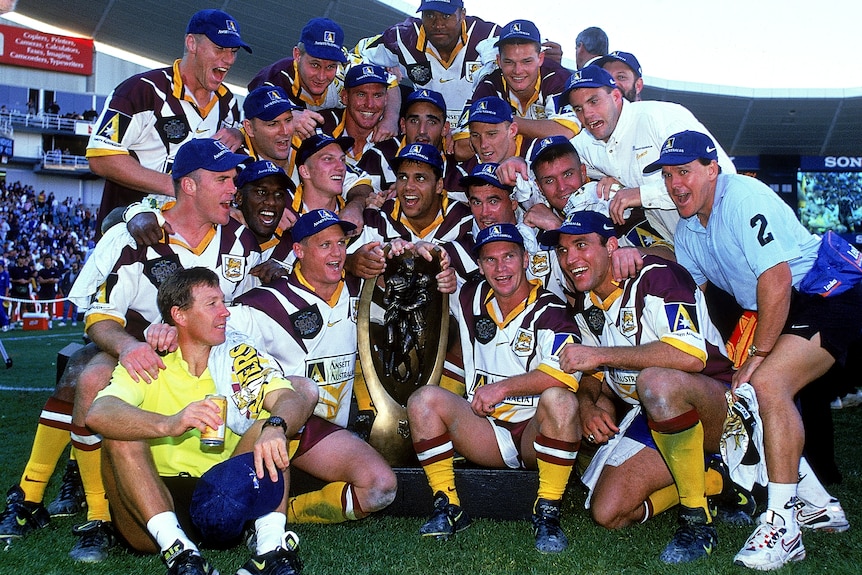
391, 545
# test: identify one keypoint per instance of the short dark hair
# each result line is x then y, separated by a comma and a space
176, 289
554, 153
594, 39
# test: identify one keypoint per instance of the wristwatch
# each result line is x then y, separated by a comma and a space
276, 421
753, 351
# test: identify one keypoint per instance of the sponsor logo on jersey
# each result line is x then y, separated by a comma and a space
628, 321
595, 320
113, 127
681, 316
333, 369
173, 129
540, 263
419, 73
307, 322
561, 340
232, 267
524, 340
486, 329
159, 269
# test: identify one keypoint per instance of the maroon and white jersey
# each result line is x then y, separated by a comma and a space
284, 73
384, 225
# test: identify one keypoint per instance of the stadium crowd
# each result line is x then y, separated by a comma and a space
567, 222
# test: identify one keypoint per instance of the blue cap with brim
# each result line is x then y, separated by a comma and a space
498, 233
315, 222
267, 103
626, 58
424, 95
419, 152
484, 174
490, 110
580, 223
444, 6
317, 142
260, 170
205, 154
365, 74
682, 148
540, 147
322, 38
220, 27
229, 495
591, 76
519, 31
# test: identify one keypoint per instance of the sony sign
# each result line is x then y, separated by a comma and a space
842, 162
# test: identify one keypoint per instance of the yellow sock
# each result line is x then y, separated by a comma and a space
90, 465
661, 500
713, 482
555, 460
454, 385
48, 445
680, 441
360, 390
437, 457
335, 503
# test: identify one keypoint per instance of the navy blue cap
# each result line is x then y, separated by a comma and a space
419, 152
317, 142
682, 148
444, 6
545, 144
484, 174
519, 31
206, 154
267, 103
498, 233
579, 223
424, 95
220, 27
591, 76
316, 221
490, 110
365, 74
260, 170
322, 38
626, 58
229, 495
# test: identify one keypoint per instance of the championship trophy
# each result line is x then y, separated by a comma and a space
403, 326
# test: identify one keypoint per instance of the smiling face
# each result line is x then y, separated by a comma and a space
559, 178
692, 188
203, 322
598, 110
419, 193
504, 265
315, 74
586, 261
491, 205
271, 139
519, 64
213, 194
364, 105
323, 172
493, 142
322, 257
262, 203
209, 62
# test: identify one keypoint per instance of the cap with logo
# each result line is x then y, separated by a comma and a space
260, 170
419, 152
444, 6
322, 38
498, 233
580, 223
317, 142
315, 222
490, 110
267, 103
519, 31
205, 154
424, 95
626, 58
543, 146
220, 27
591, 76
682, 148
365, 74
484, 175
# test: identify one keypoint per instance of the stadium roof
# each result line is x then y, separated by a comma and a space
745, 125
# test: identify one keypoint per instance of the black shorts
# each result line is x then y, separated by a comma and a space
181, 488
838, 320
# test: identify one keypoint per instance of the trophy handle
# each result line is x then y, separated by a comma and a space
390, 433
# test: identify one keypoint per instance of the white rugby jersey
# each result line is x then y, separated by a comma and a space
128, 294
661, 304
495, 349
307, 335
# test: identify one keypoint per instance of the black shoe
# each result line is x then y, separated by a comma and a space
282, 561
694, 538
182, 561
95, 539
447, 519
734, 505
70, 500
546, 527
21, 517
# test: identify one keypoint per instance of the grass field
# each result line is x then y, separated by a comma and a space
387, 545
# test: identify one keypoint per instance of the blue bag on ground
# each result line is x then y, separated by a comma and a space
837, 269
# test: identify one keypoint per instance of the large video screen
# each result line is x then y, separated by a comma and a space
831, 201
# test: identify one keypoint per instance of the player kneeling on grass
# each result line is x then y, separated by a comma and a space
154, 452
521, 410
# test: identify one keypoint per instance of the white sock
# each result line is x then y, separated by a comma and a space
269, 529
166, 530
779, 498
810, 489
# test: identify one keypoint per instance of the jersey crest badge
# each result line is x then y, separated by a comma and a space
232, 267
419, 73
174, 129
315, 372
159, 269
628, 321
595, 320
470, 68
681, 317
540, 263
307, 322
114, 127
523, 344
485, 329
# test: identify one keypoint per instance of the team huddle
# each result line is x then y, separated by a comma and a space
576, 229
